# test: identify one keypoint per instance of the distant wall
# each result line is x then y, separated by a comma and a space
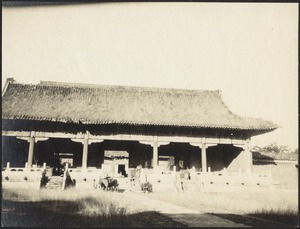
285, 173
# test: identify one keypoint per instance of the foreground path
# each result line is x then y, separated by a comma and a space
188, 217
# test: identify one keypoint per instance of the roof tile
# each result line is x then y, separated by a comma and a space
96, 104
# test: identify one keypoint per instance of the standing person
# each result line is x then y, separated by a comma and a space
138, 173
143, 181
143, 176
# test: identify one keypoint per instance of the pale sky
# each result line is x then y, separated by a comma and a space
248, 51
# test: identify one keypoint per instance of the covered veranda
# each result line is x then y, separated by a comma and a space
197, 155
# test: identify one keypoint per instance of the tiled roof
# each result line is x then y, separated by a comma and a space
96, 104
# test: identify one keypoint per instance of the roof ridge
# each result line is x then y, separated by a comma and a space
82, 85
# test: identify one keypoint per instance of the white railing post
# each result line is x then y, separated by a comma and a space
44, 165
65, 177
192, 173
7, 165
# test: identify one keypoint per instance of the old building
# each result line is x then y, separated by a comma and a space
161, 129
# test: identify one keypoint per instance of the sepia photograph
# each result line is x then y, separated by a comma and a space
149, 114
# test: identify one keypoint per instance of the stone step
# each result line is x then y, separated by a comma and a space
55, 182
54, 187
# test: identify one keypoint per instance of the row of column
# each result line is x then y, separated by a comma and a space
155, 145
203, 147
85, 141
31, 140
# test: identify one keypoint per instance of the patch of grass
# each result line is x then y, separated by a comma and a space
284, 216
100, 206
70, 208
56, 208
86, 201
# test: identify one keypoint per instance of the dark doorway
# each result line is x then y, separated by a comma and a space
60, 161
121, 169
57, 165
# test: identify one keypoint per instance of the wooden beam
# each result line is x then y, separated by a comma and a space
240, 146
152, 143
210, 145
128, 137
24, 138
95, 141
124, 137
40, 139
162, 143
147, 143
77, 140
178, 139
196, 144
40, 134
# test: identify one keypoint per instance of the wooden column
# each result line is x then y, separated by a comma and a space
31, 139
203, 146
30, 152
155, 144
155, 154
203, 158
86, 140
85, 151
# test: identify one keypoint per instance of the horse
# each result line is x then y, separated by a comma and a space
113, 185
146, 187
108, 183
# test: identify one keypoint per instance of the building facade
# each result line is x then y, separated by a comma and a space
51, 123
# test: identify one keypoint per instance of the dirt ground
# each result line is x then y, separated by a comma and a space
185, 216
197, 216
